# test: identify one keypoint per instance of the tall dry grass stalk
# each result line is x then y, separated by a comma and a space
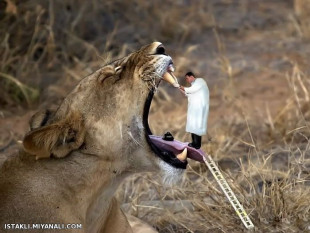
302, 24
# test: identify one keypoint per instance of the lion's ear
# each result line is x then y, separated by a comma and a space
110, 71
105, 73
57, 139
118, 69
41, 118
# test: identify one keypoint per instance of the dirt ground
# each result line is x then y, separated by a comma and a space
254, 56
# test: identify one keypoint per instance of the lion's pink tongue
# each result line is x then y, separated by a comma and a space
177, 147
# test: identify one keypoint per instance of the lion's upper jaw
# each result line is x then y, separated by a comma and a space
161, 67
152, 72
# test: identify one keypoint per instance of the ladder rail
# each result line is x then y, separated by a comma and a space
228, 192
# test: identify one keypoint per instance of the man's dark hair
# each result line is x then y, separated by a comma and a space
190, 73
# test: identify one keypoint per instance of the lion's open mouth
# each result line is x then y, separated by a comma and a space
172, 151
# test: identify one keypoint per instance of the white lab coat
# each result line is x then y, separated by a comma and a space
198, 107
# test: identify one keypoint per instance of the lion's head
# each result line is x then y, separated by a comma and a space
106, 115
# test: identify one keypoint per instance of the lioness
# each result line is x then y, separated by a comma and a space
73, 159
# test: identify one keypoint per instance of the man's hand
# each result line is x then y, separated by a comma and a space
181, 88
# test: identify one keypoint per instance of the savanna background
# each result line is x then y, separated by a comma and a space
254, 54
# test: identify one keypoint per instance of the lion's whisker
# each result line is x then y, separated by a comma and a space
130, 134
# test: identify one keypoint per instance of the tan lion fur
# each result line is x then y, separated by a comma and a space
74, 158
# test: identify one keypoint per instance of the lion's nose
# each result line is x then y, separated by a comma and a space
161, 50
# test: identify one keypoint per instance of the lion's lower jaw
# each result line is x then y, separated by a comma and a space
170, 175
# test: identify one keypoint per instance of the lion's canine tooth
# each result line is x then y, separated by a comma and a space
170, 78
182, 156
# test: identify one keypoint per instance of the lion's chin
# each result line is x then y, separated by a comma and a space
170, 175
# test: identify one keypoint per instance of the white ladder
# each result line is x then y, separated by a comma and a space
228, 192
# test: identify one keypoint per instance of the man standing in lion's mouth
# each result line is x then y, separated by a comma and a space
198, 108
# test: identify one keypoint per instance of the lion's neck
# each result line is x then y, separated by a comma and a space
101, 204
93, 188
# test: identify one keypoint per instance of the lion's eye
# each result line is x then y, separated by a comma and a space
160, 50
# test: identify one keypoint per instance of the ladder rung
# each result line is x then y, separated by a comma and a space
228, 192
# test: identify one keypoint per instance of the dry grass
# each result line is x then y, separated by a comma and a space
302, 19
41, 39
272, 181
47, 46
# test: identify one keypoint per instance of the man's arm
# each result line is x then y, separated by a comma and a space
194, 88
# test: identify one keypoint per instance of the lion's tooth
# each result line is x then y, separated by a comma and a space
182, 156
168, 77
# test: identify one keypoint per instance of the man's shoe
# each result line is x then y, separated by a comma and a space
196, 141
194, 146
